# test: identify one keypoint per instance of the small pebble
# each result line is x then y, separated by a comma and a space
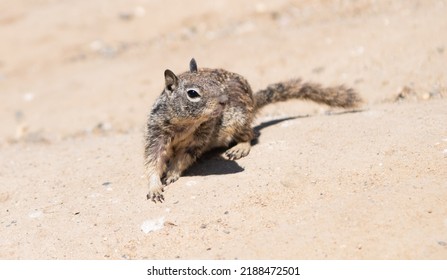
125, 16
102, 127
35, 214
96, 45
171, 224
203, 226
318, 70
286, 124
139, 11
29, 96
358, 51
13, 222
426, 96
94, 195
4, 196
442, 243
289, 181
153, 225
260, 7
191, 183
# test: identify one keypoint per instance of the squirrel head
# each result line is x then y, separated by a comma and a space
194, 95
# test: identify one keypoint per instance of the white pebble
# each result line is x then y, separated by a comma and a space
191, 183
35, 214
139, 11
152, 225
29, 96
358, 51
286, 124
96, 45
260, 8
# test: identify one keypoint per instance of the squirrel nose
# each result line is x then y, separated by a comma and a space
223, 99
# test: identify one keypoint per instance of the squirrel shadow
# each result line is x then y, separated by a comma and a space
257, 129
212, 162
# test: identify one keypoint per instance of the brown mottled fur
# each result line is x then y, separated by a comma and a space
207, 108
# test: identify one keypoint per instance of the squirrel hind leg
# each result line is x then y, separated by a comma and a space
238, 151
240, 131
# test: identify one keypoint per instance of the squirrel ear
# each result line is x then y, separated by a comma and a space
193, 66
171, 80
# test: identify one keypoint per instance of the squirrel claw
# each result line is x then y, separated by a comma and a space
156, 195
238, 151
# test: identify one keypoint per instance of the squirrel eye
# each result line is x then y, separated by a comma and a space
193, 95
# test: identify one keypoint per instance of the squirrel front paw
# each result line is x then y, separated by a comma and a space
156, 194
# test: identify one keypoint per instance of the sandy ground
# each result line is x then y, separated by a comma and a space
77, 79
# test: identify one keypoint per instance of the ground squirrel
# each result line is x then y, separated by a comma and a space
202, 109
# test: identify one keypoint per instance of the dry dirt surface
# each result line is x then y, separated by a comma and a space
78, 78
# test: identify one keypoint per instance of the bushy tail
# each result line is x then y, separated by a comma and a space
339, 96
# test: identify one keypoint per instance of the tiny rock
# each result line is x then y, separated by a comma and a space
152, 225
